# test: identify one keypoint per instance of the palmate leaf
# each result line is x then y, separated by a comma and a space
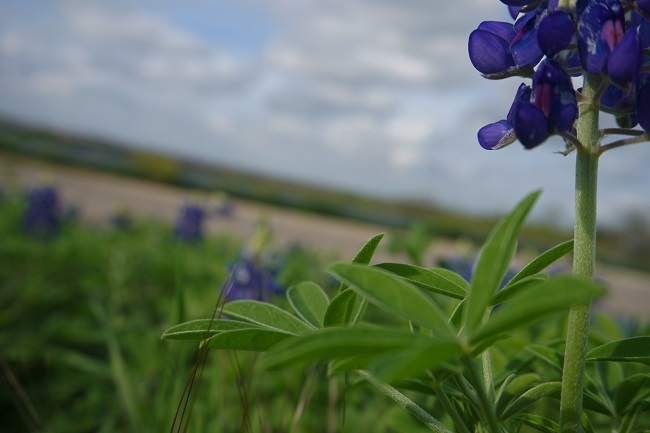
493, 262
557, 294
252, 339
437, 280
392, 294
266, 315
634, 349
310, 302
203, 328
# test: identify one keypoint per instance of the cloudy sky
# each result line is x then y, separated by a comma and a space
374, 96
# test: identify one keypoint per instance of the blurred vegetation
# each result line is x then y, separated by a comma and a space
628, 246
81, 315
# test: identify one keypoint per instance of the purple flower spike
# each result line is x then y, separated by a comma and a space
600, 28
625, 60
555, 33
189, 225
43, 213
643, 101
489, 52
496, 135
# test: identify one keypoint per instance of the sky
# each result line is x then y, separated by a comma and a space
372, 96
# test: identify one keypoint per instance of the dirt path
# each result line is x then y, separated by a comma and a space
99, 195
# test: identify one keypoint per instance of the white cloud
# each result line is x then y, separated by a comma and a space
377, 95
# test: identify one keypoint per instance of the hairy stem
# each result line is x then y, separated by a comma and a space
583, 259
399, 398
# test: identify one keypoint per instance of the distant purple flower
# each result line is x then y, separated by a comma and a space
43, 213
122, 221
252, 280
189, 224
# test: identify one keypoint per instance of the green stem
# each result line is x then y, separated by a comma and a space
449, 407
487, 406
399, 398
583, 258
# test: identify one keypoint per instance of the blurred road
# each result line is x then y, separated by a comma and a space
100, 195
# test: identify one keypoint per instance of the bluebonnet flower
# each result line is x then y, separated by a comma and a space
252, 280
189, 224
43, 213
608, 38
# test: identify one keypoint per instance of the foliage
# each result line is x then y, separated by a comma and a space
80, 318
487, 359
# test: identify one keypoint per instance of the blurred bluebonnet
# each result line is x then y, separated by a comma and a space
465, 268
190, 222
251, 279
122, 220
42, 215
609, 38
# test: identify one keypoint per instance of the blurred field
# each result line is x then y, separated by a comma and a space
99, 195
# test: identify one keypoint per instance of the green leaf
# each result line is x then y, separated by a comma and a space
412, 361
493, 262
356, 306
198, 329
539, 423
630, 390
557, 294
629, 420
437, 280
255, 340
531, 396
514, 388
542, 261
265, 314
634, 349
343, 310
392, 294
550, 356
333, 343
511, 290
309, 301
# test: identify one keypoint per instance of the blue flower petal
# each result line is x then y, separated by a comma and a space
555, 33
643, 101
625, 61
530, 124
644, 6
488, 52
496, 135
514, 11
524, 47
600, 26
555, 96
499, 28
644, 34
